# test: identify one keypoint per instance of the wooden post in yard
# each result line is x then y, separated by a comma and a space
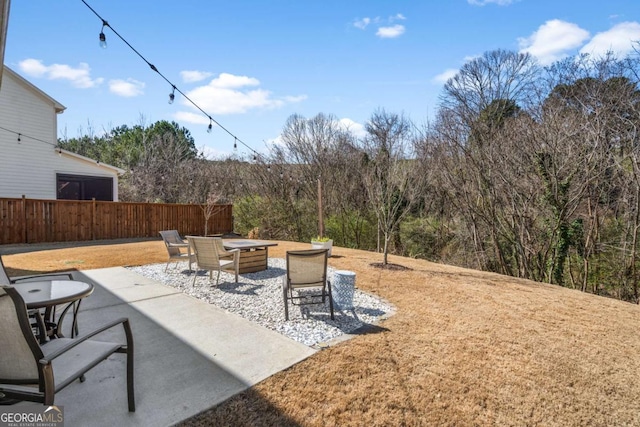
320, 214
24, 219
93, 218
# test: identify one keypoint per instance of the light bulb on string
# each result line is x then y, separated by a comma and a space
103, 38
103, 44
235, 143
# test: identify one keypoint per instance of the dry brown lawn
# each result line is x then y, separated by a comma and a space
464, 348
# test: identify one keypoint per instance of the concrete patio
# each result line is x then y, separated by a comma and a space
189, 355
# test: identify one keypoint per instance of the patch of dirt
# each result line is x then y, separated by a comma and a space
390, 266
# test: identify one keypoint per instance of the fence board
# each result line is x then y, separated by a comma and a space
40, 221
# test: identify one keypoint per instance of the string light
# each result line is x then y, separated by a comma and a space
172, 95
235, 143
174, 88
103, 38
22, 135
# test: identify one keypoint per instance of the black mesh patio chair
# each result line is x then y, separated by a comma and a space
30, 372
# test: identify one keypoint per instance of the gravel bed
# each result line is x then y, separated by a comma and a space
258, 297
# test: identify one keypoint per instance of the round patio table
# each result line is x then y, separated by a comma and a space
48, 294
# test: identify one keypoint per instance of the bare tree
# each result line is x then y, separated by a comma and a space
389, 169
496, 75
211, 208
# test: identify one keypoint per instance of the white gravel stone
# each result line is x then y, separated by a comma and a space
258, 297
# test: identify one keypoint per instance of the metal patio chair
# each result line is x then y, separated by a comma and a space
30, 372
306, 269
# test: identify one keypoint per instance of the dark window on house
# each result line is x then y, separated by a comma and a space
82, 187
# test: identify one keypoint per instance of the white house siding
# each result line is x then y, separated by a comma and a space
29, 166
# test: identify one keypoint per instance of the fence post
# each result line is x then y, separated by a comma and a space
24, 219
93, 218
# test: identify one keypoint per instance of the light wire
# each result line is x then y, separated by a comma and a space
105, 23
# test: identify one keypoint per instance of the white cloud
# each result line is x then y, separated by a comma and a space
79, 77
231, 94
127, 88
190, 117
445, 75
194, 76
390, 32
619, 40
229, 81
485, 2
33, 67
553, 40
387, 31
357, 129
362, 23
269, 142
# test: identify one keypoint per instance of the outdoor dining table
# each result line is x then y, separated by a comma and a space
47, 294
254, 254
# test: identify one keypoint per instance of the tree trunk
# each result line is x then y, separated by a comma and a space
386, 249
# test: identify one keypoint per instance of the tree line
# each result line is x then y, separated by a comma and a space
528, 171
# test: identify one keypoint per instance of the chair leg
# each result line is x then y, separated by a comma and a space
330, 299
218, 277
130, 378
75, 329
236, 264
195, 276
286, 303
49, 387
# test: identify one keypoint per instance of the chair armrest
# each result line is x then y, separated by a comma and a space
48, 357
229, 252
178, 245
37, 277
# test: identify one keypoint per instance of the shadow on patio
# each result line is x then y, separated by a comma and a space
189, 355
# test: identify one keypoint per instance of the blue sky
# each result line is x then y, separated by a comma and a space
251, 64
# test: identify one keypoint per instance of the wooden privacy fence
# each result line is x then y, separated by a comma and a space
37, 221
